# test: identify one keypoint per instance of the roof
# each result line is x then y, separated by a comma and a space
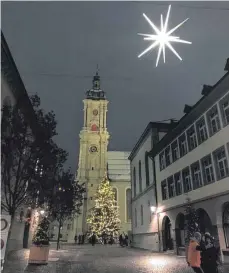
13, 78
197, 110
160, 126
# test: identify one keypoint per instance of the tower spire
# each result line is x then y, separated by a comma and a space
97, 70
96, 93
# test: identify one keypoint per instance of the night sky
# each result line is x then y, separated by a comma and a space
56, 46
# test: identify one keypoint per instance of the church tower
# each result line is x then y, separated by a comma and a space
94, 139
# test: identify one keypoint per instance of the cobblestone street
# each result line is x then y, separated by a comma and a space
99, 259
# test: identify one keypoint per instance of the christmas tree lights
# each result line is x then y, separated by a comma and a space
192, 221
104, 216
41, 234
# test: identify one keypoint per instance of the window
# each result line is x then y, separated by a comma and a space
150, 213
178, 183
182, 145
224, 108
175, 153
201, 130
162, 161
208, 174
213, 120
147, 169
140, 175
115, 195
141, 215
221, 163
164, 190
191, 136
134, 180
135, 217
186, 180
226, 224
168, 156
196, 175
128, 205
171, 187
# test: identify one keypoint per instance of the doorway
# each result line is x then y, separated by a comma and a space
166, 234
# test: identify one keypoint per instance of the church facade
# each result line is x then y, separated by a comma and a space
95, 161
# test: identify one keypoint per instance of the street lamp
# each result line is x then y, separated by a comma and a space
153, 209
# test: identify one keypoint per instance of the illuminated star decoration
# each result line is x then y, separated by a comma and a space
162, 37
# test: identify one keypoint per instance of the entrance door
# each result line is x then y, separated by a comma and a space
167, 239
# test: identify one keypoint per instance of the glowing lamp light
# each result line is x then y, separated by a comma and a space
153, 209
162, 37
42, 212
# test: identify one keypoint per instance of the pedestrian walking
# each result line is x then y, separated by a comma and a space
75, 239
210, 255
79, 239
194, 254
120, 240
126, 240
93, 239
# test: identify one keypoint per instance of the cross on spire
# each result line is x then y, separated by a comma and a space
97, 70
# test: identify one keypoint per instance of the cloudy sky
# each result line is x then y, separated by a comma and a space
56, 46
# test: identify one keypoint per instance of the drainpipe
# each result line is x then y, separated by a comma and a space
156, 199
154, 142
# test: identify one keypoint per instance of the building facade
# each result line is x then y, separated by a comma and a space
144, 225
191, 163
13, 92
93, 159
118, 169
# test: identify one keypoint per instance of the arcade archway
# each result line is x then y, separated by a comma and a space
180, 230
166, 234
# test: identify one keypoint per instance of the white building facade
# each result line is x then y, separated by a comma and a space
144, 224
191, 161
13, 92
118, 170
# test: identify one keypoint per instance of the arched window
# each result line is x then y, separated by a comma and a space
128, 205
226, 224
140, 175
115, 195
134, 181
147, 169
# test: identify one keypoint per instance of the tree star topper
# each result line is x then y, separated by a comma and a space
163, 37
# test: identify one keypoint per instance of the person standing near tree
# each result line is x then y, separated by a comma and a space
210, 257
93, 239
120, 240
194, 254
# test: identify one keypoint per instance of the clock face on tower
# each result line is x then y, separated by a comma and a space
93, 149
95, 112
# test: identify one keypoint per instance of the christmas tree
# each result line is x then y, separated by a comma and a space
41, 234
192, 221
104, 216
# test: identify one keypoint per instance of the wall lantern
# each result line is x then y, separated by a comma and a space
153, 209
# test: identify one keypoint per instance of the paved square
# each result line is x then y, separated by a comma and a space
100, 259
